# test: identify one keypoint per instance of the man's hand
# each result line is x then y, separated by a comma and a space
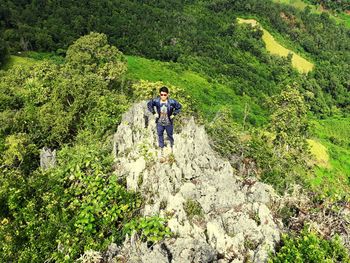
156, 115
172, 117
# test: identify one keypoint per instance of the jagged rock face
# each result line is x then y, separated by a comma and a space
215, 215
47, 158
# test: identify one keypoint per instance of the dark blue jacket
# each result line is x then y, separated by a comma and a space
174, 107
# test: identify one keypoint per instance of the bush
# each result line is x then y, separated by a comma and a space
309, 247
60, 213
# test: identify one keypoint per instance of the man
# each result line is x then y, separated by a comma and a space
166, 110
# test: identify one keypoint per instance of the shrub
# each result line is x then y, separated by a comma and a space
60, 213
311, 248
150, 229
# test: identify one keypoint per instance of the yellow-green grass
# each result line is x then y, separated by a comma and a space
319, 152
17, 60
298, 62
333, 179
296, 3
345, 18
209, 97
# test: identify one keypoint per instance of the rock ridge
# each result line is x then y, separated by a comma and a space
233, 222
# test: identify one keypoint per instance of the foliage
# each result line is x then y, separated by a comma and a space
289, 122
3, 52
309, 247
202, 35
281, 152
93, 54
333, 5
226, 135
57, 214
332, 180
150, 229
204, 94
193, 208
17, 148
53, 102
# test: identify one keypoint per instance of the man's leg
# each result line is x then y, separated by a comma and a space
160, 132
169, 131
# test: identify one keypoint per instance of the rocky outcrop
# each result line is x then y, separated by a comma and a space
215, 215
47, 158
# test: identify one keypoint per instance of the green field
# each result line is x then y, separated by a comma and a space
298, 62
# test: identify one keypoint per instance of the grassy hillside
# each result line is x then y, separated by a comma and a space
209, 97
333, 173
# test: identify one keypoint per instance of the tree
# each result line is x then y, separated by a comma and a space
93, 54
289, 122
3, 52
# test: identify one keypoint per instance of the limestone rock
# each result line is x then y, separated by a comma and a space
47, 158
231, 221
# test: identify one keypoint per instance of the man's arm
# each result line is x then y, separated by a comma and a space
150, 106
177, 108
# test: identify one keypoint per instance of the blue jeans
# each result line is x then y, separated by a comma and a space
169, 131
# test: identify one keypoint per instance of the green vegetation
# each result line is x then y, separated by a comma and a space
204, 93
333, 5
333, 179
201, 35
193, 208
319, 152
256, 107
309, 247
150, 229
338, 10
74, 107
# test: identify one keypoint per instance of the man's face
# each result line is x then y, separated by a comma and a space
163, 96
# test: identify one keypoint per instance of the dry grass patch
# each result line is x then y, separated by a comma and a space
320, 153
298, 62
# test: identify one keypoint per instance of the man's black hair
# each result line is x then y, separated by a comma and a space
164, 89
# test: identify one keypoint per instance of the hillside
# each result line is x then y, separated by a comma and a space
248, 116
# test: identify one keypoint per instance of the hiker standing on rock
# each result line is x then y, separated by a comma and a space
166, 109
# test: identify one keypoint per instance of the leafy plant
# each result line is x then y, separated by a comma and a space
311, 248
193, 208
150, 229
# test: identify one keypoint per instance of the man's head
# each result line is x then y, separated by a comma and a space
163, 93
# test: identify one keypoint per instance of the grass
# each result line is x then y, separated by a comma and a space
209, 97
298, 62
296, 3
344, 18
331, 141
17, 60
320, 153
30, 58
